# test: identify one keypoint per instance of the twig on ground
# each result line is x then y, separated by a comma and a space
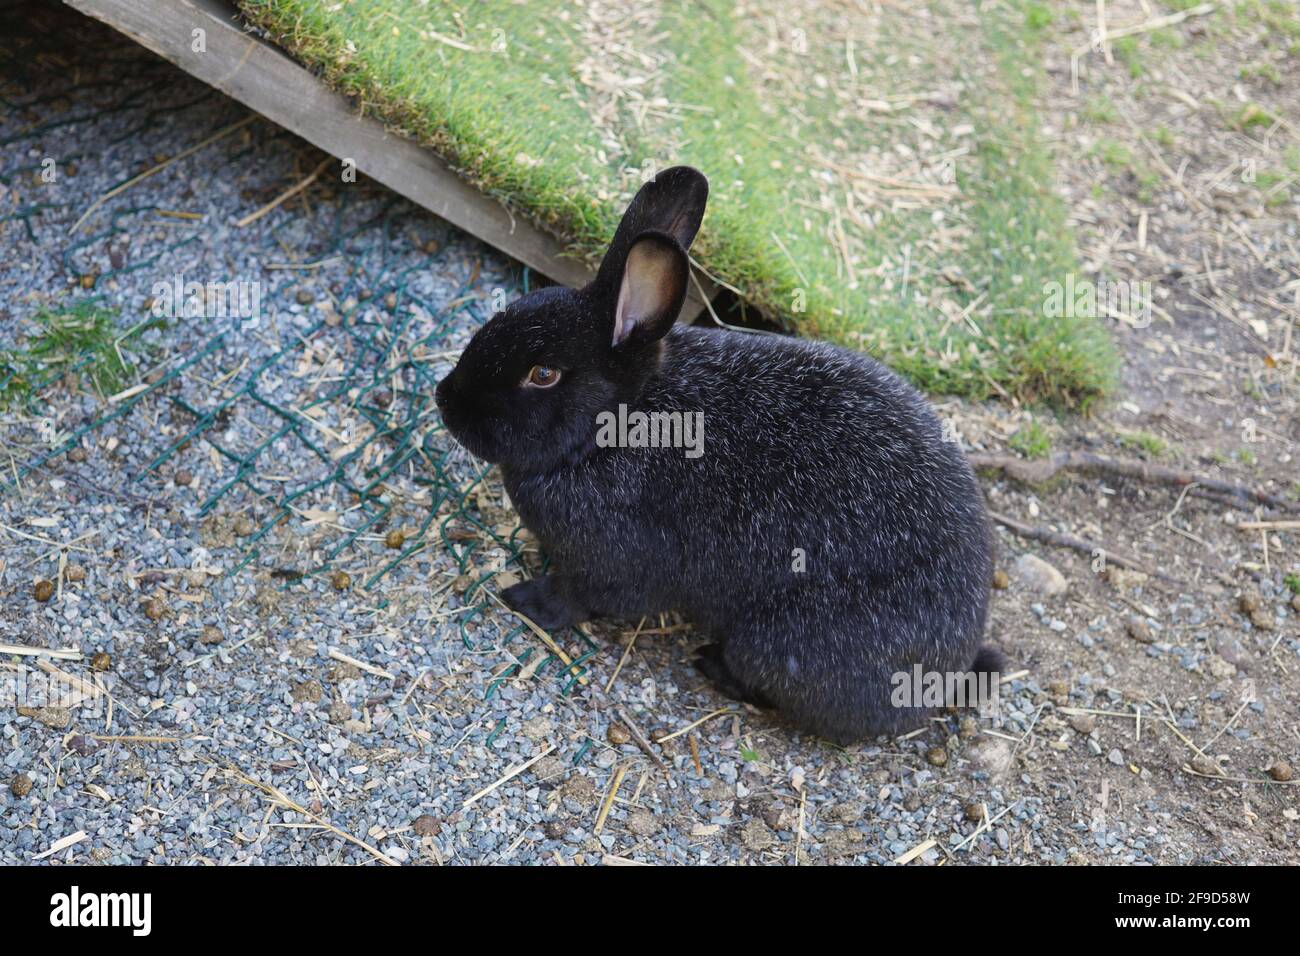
1041, 470
1060, 539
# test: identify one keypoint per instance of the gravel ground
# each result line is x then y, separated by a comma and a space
229, 730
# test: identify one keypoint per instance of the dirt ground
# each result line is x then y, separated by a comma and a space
1210, 387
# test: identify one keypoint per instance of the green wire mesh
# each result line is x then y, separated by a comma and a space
333, 424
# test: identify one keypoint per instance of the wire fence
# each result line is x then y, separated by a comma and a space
316, 435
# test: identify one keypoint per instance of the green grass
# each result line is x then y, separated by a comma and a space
1146, 444
527, 105
1032, 441
81, 339
1292, 582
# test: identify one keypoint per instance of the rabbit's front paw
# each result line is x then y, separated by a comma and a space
543, 602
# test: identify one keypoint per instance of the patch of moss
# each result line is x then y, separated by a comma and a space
1144, 443
1032, 441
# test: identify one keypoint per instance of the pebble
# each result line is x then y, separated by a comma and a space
1116, 757
426, 825
1083, 723
1139, 630
1204, 765
617, 735
1039, 576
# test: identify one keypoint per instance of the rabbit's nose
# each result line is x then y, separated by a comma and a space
444, 391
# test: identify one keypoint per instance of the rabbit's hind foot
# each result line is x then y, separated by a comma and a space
711, 661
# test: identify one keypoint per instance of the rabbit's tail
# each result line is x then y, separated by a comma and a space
989, 660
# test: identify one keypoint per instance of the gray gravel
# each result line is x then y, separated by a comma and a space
221, 736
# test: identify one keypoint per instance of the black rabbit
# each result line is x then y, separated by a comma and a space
824, 534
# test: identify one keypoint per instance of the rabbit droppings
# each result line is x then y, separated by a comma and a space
816, 527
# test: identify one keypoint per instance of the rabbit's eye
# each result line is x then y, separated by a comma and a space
543, 376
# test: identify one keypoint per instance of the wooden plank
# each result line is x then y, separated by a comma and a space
266, 80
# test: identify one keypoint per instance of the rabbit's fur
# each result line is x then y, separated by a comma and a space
827, 539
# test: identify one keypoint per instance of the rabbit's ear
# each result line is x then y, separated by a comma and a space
671, 203
652, 290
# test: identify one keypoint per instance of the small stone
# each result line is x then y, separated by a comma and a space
937, 756
756, 836
1262, 620
341, 580
101, 662
1295, 603
211, 635
1281, 771
43, 591
1037, 575
1001, 580
1204, 765
20, 785
617, 735
1219, 668
537, 728
643, 823
912, 802
426, 825
1116, 758
82, 745
394, 539
182, 478
306, 692
554, 830
74, 573
154, 609
1139, 630
1083, 723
